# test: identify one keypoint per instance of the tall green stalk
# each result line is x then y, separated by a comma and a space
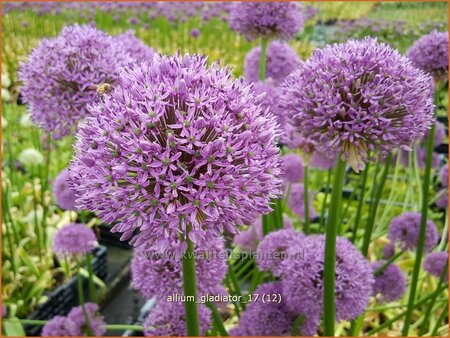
423, 225
360, 202
263, 59
306, 198
190, 289
324, 203
92, 291
330, 248
82, 301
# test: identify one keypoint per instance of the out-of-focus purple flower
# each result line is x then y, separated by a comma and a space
160, 274
442, 201
273, 20
430, 53
269, 318
357, 97
25, 24
390, 284
133, 46
272, 249
176, 144
146, 26
168, 319
96, 320
296, 201
248, 240
270, 100
281, 61
61, 74
443, 175
303, 278
405, 229
435, 263
322, 161
59, 326
64, 194
292, 168
74, 239
4, 311
389, 250
195, 32
133, 21
116, 18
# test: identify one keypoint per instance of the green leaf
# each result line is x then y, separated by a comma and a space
13, 328
96, 280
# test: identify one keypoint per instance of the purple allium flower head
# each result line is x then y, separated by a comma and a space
177, 143
405, 229
248, 239
390, 284
133, 21
160, 274
195, 32
442, 201
296, 201
133, 46
96, 320
389, 250
272, 249
292, 168
281, 61
323, 161
303, 283
61, 74
274, 20
439, 135
443, 175
168, 319
269, 93
435, 263
430, 53
263, 318
64, 194
74, 239
59, 326
357, 97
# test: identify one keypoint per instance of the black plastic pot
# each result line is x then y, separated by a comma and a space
113, 238
64, 297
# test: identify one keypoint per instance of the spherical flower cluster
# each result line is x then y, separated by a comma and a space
281, 61
322, 161
389, 250
176, 144
96, 320
168, 319
61, 74
30, 157
64, 194
292, 168
134, 47
430, 53
74, 239
442, 201
248, 239
435, 264
195, 32
262, 318
405, 229
270, 94
443, 175
390, 284
59, 326
277, 20
357, 97
160, 274
303, 282
296, 201
272, 249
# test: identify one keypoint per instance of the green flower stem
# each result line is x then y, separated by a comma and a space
432, 303
306, 198
378, 189
92, 291
324, 203
217, 321
230, 288
442, 316
423, 224
360, 201
263, 59
400, 315
391, 260
330, 248
81, 300
190, 289
108, 327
